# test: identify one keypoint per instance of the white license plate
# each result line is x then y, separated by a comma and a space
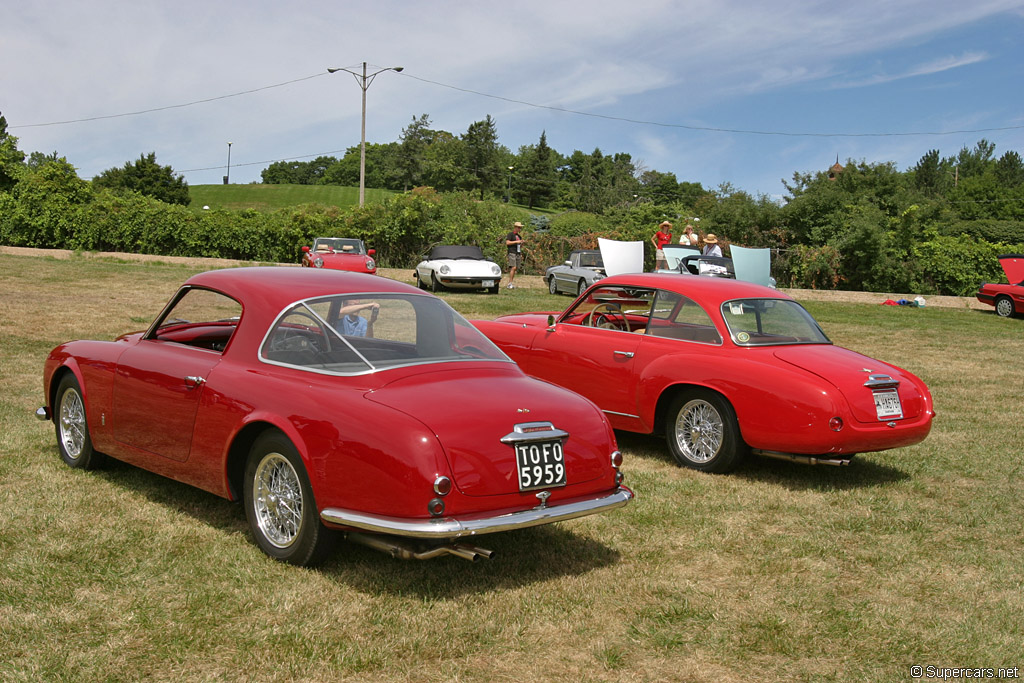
541, 465
887, 404
487, 283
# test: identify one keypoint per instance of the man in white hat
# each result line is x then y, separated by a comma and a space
514, 243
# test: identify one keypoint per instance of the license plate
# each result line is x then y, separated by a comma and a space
541, 465
487, 283
887, 404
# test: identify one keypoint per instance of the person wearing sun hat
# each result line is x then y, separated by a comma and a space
711, 247
514, 244
660, 239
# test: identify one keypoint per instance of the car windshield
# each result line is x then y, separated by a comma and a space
456, 252
591, 259
343, 244
358, 333
771, 322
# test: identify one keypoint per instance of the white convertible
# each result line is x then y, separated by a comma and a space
458, 267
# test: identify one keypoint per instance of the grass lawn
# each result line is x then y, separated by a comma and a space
776, 572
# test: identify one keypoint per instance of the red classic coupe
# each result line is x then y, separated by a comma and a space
1008, 299
335, 401
339, 253
721, 367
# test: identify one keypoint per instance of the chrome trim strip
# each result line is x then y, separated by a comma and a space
526, 432
612, 412
451, 527
881, 382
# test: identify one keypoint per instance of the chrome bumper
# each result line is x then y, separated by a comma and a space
451, 527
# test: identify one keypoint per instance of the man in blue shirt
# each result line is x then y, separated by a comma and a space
354, 325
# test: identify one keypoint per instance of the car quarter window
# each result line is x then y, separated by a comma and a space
356, 333
201, 318
679, 317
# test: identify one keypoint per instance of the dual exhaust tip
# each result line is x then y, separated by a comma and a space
403, 550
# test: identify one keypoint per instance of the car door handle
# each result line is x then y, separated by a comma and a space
625, 354
195, 381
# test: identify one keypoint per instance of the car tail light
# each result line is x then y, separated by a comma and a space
616, 459
442, 486
835, 424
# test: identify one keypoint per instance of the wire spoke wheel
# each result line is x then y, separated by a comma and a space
277, 500
699, 431
72, 426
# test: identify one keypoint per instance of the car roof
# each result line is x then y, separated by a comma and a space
274, 287
697, 286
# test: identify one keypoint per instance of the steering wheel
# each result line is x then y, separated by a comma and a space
604, 316
297, 339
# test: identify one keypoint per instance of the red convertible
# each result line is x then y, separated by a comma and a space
1008, 299
330, 402
722, 368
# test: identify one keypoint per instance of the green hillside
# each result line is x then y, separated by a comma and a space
270, 197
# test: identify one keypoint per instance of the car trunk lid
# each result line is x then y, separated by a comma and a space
870, 386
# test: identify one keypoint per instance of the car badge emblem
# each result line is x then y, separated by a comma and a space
543, 498
522, 410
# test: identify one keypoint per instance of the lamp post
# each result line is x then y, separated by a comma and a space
227, 178
364, 82
508, 192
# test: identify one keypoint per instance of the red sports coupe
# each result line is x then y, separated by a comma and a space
721, 367
335, 401
1008, 299
339, 253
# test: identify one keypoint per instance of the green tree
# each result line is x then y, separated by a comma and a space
11, 158
148, 178
482, 156
415, 138
535, 178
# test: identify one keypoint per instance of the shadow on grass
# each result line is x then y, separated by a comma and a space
521, 558
859, 473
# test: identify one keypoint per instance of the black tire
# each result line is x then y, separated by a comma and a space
494, 289
581, 287
280, 506
703, 433
552, 285
1004, 307
419, 282
72, 427
435, 286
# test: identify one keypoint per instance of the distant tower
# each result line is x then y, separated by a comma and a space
836, 169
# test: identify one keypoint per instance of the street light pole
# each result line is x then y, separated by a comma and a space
227, 178
508, 192
364, 82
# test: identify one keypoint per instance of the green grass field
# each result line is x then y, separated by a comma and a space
270, 197
779, 571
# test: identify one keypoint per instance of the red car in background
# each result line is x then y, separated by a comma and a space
340, 253
326, 402
720, 367
1008, 299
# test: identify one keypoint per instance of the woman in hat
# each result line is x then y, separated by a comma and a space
660, 239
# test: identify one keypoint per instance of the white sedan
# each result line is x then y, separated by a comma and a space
458, 267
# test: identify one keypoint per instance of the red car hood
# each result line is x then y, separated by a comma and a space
343, 261
1013, 266
470, 408
849, 371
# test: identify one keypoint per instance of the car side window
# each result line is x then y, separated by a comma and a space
626, 309
201, 318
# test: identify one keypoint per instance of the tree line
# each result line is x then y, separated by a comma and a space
933, 228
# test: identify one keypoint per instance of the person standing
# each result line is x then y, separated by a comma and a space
514, 244
660, 239
689, 237
711, 247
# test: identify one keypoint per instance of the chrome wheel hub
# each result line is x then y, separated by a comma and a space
699, 431
72, 424
277, 500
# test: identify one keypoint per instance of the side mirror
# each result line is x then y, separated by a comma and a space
551, 320
567, 263
305, 250
371, 252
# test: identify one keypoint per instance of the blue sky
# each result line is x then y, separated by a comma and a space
671, 83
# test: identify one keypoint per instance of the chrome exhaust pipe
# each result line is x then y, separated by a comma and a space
403, 550
804, 459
